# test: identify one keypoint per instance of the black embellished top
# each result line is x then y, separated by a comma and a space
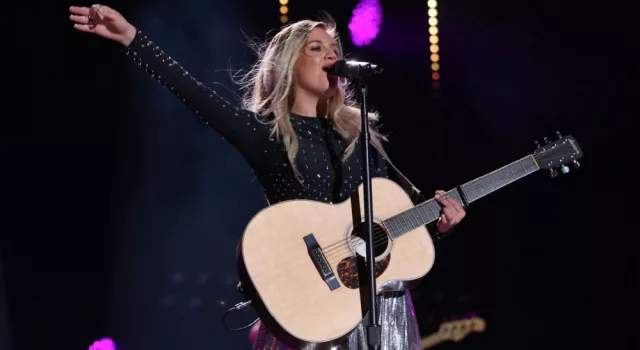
325, 177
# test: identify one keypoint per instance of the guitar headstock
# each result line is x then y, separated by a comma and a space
458, 330
558, 154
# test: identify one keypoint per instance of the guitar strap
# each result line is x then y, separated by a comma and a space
414, 193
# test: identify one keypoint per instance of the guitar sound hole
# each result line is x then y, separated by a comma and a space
358, 240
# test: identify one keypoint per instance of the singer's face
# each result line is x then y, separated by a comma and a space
319, 52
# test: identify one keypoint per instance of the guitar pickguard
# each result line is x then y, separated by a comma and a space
348, 270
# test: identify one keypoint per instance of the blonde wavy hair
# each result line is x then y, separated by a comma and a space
269, 93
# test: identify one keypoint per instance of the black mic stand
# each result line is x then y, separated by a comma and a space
373, 328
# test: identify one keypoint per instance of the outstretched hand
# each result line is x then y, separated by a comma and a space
103, 21
452, 212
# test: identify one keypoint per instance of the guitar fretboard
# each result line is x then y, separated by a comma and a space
430, 210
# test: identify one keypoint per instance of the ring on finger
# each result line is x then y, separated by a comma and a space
98, 10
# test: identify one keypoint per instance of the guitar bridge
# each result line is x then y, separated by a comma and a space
320, 262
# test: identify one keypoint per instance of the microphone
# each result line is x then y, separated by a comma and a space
353, 69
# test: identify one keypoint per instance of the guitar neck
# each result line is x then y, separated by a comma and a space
431, 340
429, 210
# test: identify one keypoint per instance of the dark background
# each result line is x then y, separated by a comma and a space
123, 210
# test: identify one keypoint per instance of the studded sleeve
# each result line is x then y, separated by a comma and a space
236, 125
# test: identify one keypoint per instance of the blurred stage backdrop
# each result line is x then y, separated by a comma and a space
125, 209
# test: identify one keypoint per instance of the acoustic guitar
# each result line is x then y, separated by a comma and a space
299, 260
454, 331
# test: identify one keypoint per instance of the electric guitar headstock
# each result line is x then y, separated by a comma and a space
458, 330
554, 155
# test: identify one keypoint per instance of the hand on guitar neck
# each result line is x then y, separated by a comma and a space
452, 212
454, 331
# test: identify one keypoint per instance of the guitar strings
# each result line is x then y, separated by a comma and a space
331, 247
379, 240
339, 244
336, 248
378, 236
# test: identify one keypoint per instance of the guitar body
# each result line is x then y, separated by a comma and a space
286, 288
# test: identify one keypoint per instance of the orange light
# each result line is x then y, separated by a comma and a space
284, 2
435, 75
433, 39
434, 48
284, 10
433, 21
435, 67
435, 57
284, 19
433, 30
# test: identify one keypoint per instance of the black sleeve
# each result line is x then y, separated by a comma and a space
239, 127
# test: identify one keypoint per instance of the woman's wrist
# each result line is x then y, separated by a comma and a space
129, 35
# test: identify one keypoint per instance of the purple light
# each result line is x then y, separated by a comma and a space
365, 22
103, 344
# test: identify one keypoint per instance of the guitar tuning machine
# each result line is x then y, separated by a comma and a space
553, 173
559, 135
546, 140
564, 169
538, 145
576, 164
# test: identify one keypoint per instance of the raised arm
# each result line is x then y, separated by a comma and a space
237, 126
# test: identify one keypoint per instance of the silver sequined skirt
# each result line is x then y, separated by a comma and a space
396, 316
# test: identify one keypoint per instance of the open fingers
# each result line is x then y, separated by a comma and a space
79, 11
84, 27
79, 19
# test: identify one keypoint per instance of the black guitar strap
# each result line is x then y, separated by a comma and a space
414, 193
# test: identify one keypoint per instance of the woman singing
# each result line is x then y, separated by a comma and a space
297, 127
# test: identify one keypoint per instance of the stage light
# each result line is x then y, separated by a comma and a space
103, 344
365, 22
284, 10
434, 40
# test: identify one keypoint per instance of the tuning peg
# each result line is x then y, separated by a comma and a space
538, 145
559, 135
564, 169
553, 173
576, 164
546, 140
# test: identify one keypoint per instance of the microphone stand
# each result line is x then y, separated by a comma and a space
373, 328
